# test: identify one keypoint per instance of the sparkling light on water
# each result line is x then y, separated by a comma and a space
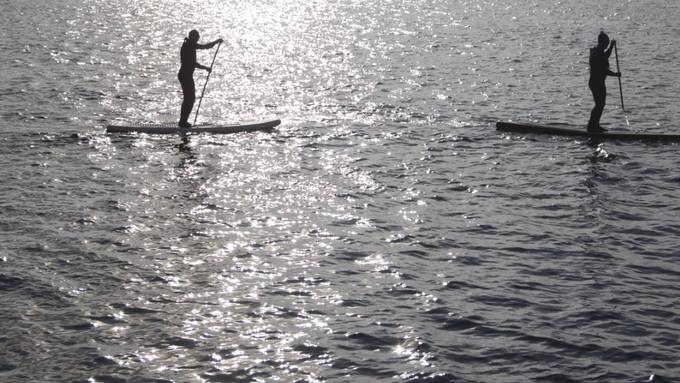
385, 232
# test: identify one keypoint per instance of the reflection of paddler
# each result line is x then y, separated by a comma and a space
186, 73
599, 70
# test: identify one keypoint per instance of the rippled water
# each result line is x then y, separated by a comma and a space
385, 232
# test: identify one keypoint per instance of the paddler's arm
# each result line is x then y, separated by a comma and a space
199, 66
208, 45
608, 52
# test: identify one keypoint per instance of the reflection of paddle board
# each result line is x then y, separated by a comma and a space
558, 131
211, 128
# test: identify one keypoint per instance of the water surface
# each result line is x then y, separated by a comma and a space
385, 232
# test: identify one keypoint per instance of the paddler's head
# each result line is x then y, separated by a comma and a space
602, 40
194, 36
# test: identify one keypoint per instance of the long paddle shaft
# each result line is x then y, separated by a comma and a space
206, 82
616, 53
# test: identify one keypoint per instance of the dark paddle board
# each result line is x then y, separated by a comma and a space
522, 127
174, 129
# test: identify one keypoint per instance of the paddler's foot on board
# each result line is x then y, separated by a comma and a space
184, 124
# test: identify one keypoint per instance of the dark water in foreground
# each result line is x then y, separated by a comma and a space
385, 232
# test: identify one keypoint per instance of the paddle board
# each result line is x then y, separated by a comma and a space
524, 127
170, 128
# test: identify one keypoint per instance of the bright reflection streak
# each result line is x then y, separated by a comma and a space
243, 226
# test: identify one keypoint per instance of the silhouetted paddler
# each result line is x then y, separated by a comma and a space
186, 73
599, 70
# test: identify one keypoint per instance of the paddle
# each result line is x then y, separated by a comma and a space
208, 78
616, 54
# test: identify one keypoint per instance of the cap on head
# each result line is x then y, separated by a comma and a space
193, 35
602, 39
